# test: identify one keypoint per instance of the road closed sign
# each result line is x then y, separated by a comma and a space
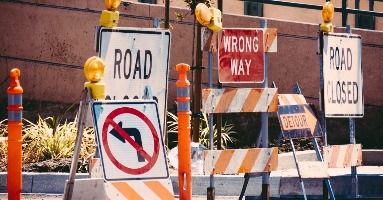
342, 75
241, 56
130, 140
135, 58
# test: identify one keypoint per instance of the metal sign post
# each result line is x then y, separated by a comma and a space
351, 121
265, 126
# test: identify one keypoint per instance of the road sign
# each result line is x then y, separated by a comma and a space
135, 58
298, 121
130, 140
342, 71
241, 56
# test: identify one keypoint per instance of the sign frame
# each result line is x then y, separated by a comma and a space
108, 162
130, 39
343, 75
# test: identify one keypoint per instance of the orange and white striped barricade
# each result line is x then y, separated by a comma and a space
236, 161
159, 189
291, 99
234, 100
342, 156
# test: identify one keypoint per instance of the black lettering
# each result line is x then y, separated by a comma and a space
343, 61
349, 59
296, 121
329, 96
337, 58
344, 92
107, 97
148, 54
333, 92
331, 57
355, 93
130, 63
137, 66
117, 62
291, 124
125, 97
338, 89
285, 121
349, 92
304, 121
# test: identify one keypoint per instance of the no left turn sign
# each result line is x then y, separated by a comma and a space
130, 140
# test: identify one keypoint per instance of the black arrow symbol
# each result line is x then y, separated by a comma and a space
131, 132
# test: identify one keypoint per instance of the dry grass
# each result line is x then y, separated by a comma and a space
49, 139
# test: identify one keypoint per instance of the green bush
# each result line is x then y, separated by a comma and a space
227, 131
50, 139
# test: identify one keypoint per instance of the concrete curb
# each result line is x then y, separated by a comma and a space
285, 185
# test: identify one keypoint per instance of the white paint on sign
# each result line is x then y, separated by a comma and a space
136, 58
130, 140
342, 71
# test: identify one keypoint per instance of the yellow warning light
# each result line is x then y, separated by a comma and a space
94, 69
203, 14
210, 17
109, 17
327, 14
112, 4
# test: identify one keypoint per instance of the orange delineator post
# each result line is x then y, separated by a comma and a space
15, 110
184, 157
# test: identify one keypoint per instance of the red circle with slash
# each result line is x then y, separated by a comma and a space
109, 121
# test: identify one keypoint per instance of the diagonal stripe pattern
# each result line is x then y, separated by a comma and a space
236, 161
159, 189
340, 156
291, 99
233, 100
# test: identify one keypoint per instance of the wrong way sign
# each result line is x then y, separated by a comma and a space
342, 75
241, 56
136, 58
130, 140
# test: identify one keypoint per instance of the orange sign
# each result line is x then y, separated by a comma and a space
298, 121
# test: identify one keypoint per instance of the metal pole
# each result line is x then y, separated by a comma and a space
210, 74
326, 182
344, 13
167, 4
219, 115
299, 173
211, 193
351, 122
264, 126
197, 87
83, 112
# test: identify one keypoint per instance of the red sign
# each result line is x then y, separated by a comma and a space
109, 121
241, 56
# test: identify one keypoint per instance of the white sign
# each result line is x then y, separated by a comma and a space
136, 58
342, 71
129, 138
